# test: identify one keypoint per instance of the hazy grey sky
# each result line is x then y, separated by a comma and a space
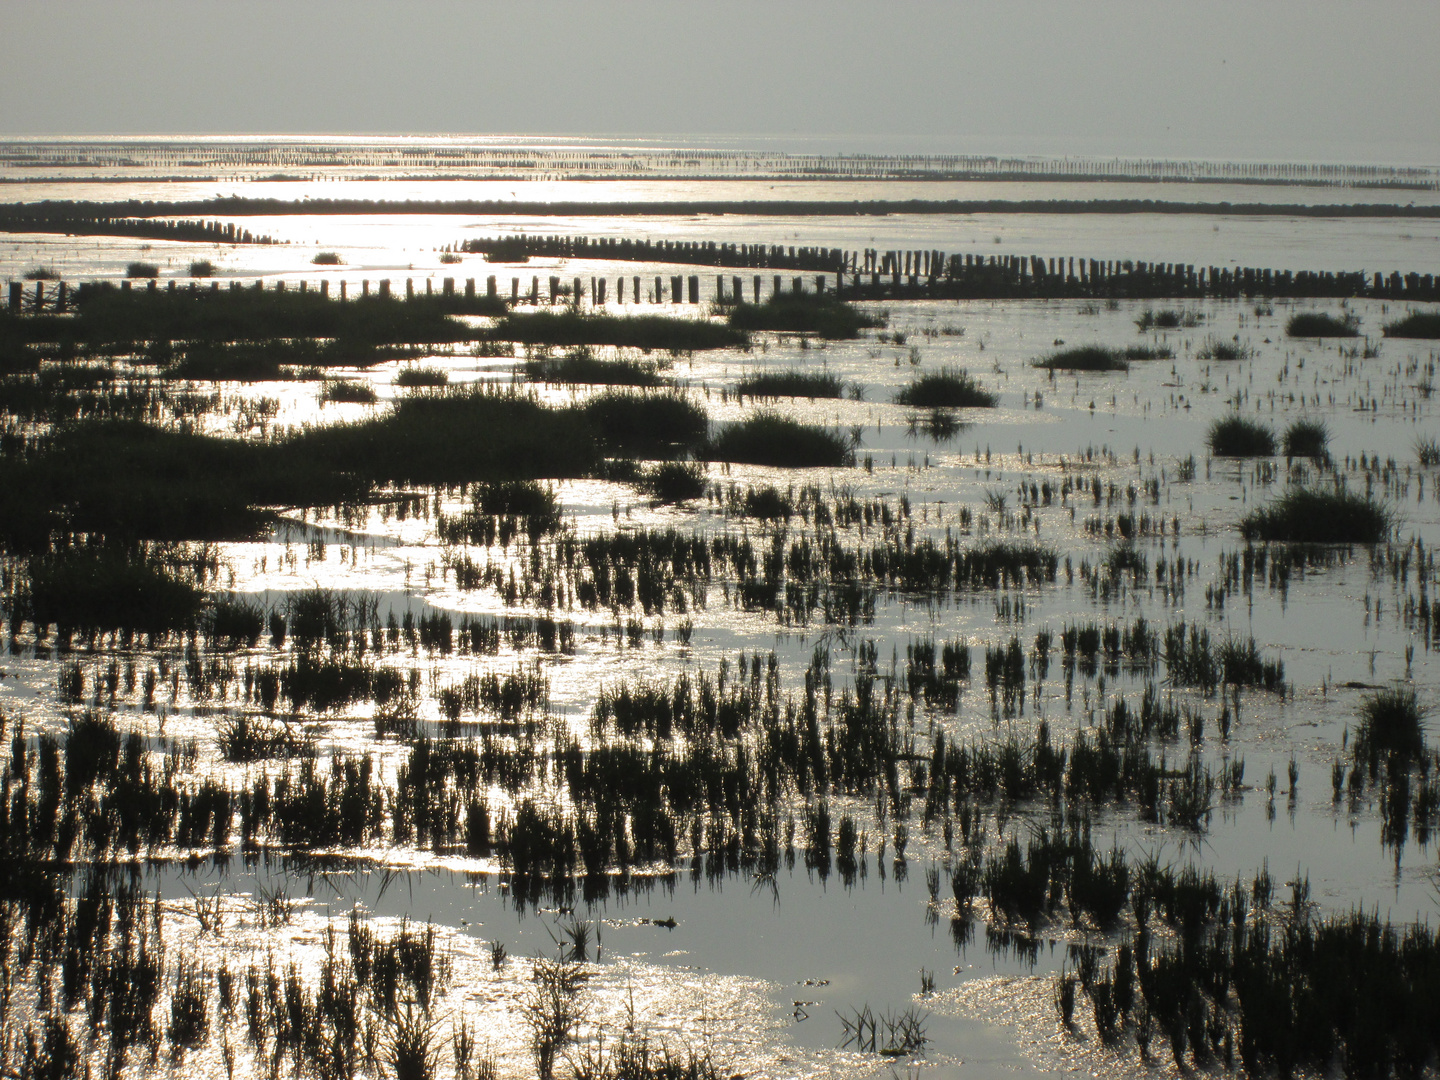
1255, 79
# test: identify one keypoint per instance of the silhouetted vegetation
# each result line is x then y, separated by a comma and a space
806, 384
1322, 324
1307, 515
948, 388
645, 332
768, 438
1236, 436
1085, 358
797, 313
1416, 324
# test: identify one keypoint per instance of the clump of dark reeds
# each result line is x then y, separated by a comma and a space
1305, 515
806, 384
1416, 324
1236, 436
644, 332
581, 367
412, 376
1148, 352
1085, 358
1322, 324
948, 388
1391, 723
202, 268
142, 270
657, 424
1306, 438
41, 273
349, 391
1168, 319
100, 589
326, 258
1427, 452
673, 481
768, 438
1215, 348
798, 313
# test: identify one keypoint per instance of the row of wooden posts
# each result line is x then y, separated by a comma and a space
59, 296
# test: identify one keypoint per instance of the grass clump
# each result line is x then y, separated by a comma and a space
1168, 319
1219, 349
1417, 324
768, 438
1148, 352
801, 313
95, 590
1235, 436
422, 376
635, 422
326, 258
673, 481
142, 270
1391, 723
1084, 358
202, 268
1306, 438
348, 391
806, 384
42, 273
1322, 324
1303, 515
1427, 452
581, 367
644, 332
948, 388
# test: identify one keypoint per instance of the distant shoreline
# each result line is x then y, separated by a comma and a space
32, 217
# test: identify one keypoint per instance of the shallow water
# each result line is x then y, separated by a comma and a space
760, 968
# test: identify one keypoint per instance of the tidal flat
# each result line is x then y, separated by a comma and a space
451, 685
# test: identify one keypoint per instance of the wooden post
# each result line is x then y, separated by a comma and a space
737, 286
324, 287
775, 287
342, 290
409, 288
39, 296
600, 296
694, 288
620, 290
469, 288
635, 284
535, 289
659, 292
125, 286
449, 286
554, 288
515, 289
577, 294
16, 289
365, 287
720, 288
797, 286
757, 288
385, 288
429, 287
677, 289
302, 286
490, 289
61, 295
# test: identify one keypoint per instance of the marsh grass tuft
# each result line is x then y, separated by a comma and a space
1416, 324
769, 438
1391, 723
806, 384
1305, 515
948, 388
1236, 436
411, 376
803, 313
1322, 324
1306, 438
1084, 358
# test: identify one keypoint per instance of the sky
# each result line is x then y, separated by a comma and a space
1213, 79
